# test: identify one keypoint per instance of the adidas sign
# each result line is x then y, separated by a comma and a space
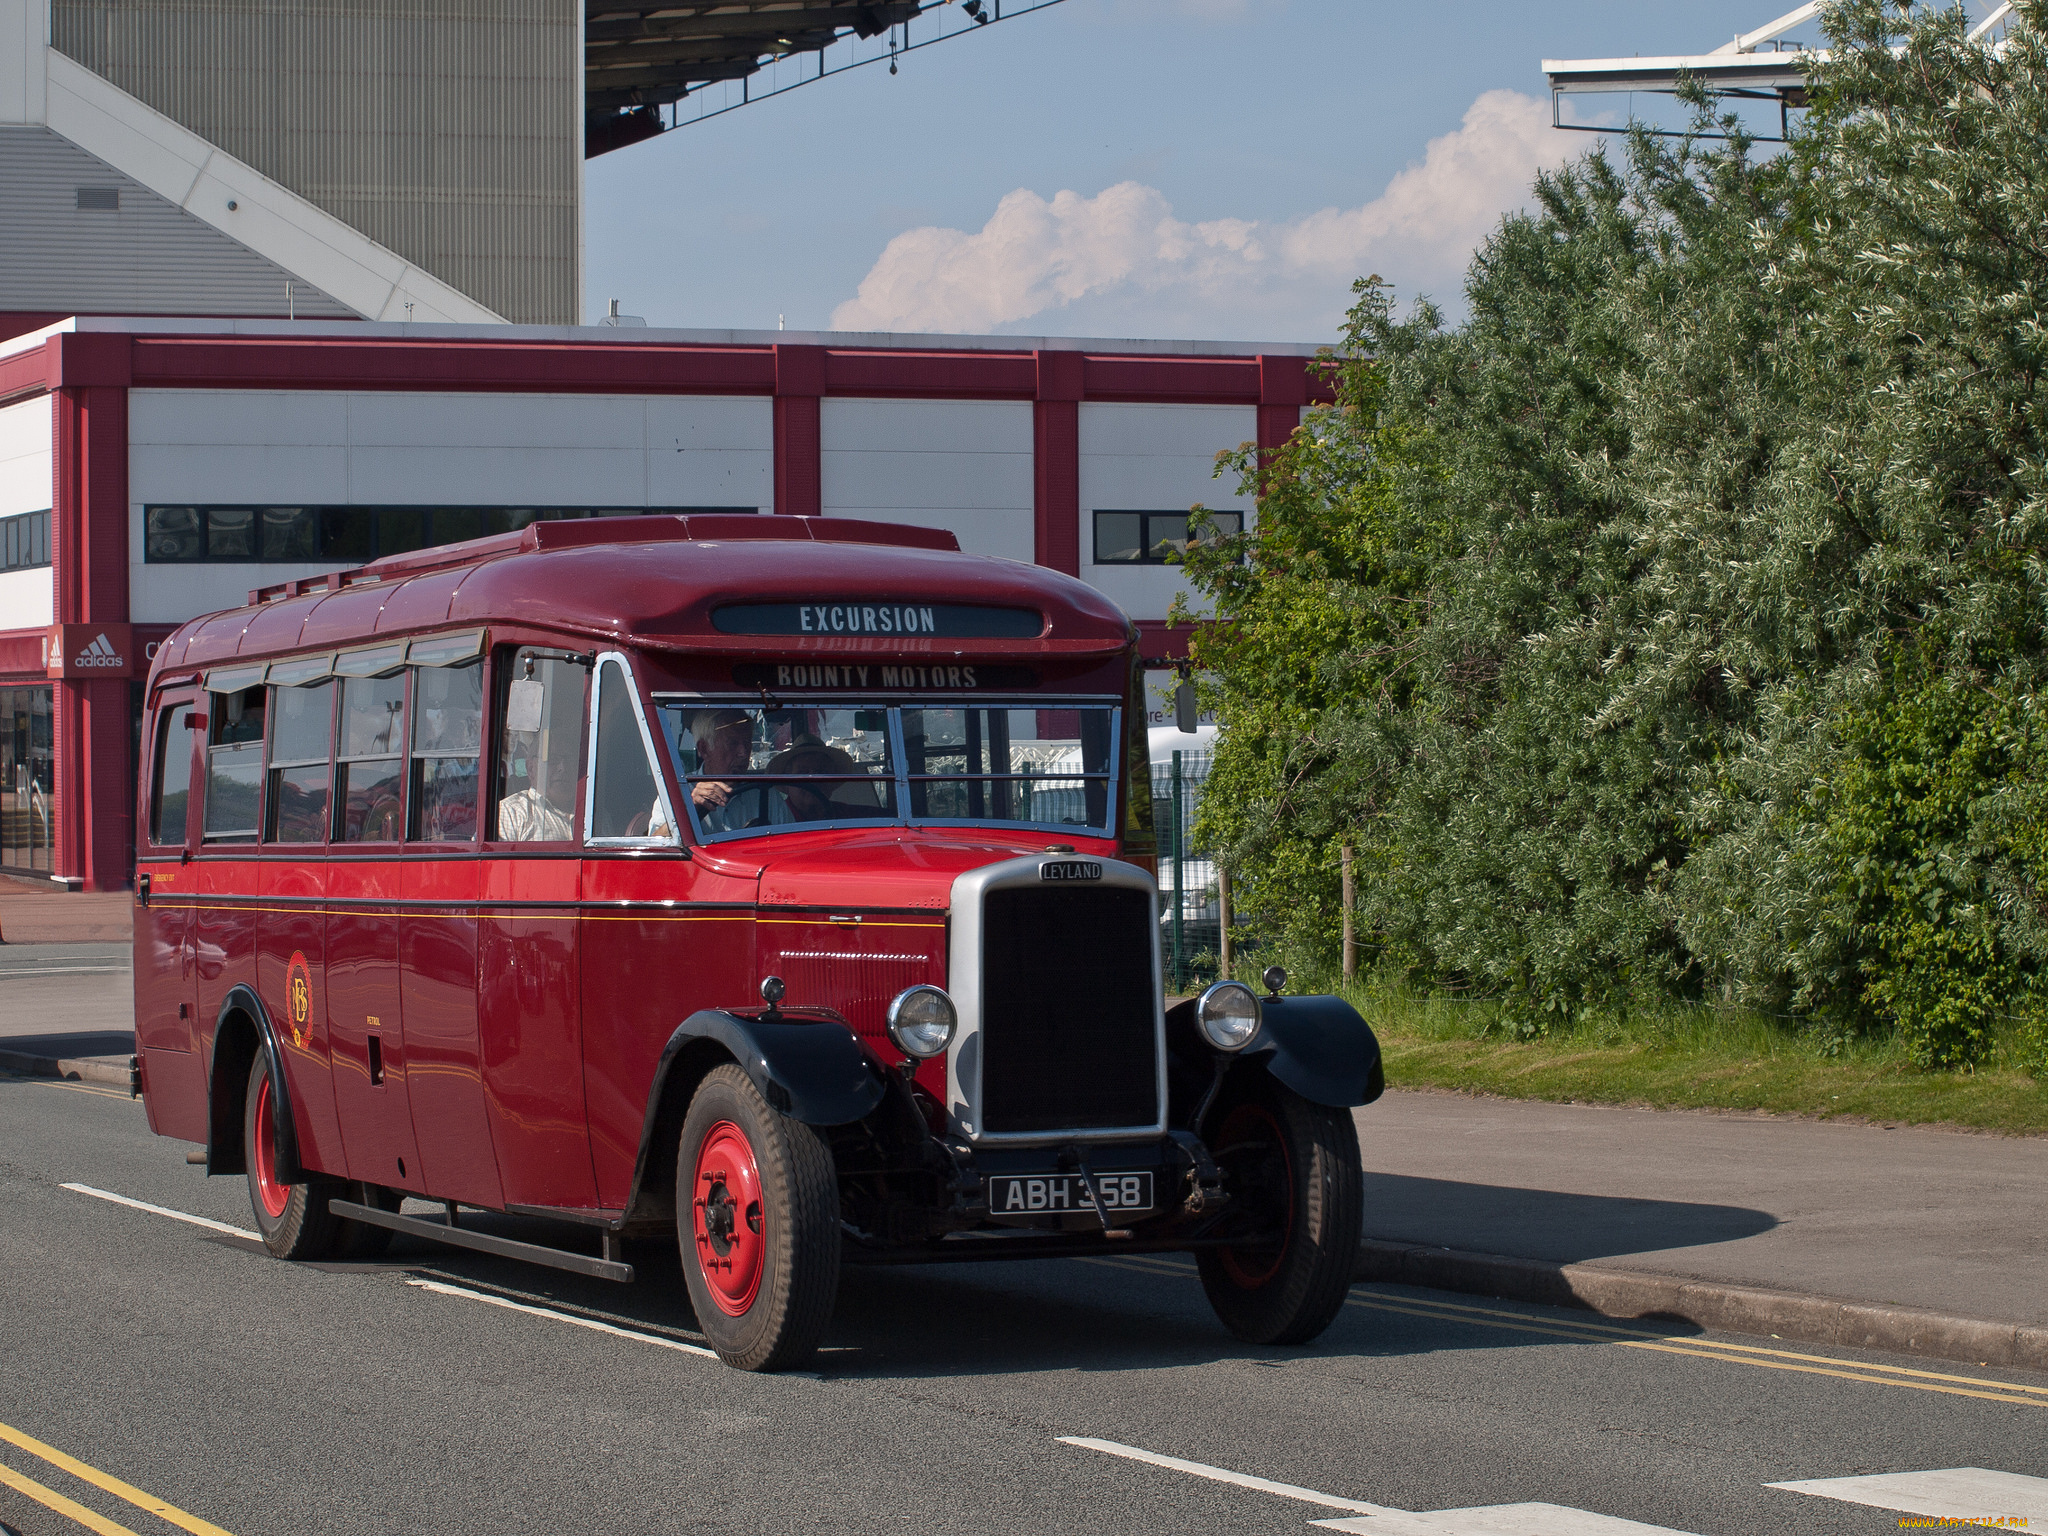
99, 654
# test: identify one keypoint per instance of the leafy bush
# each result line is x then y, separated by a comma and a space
1674, 627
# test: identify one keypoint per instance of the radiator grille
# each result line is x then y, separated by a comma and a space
1068, 1034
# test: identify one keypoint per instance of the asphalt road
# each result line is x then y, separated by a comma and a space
271, 1398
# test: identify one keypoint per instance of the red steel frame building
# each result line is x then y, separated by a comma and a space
88, 375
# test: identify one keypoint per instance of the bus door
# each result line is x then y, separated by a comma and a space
166, 989
437, 947
364, 919
529, 1011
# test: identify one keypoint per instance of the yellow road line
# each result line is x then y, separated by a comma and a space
1623, 1332
113, 1485
1699, 1349
50, 1498
105, 1093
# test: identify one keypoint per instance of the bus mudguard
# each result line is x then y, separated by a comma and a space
813, 1071
227, 1080
1321, 1048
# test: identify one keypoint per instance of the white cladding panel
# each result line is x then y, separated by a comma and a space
25, 483
962, 465
301, 447
1155, 458
28, 599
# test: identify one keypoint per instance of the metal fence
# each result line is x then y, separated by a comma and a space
1191, 936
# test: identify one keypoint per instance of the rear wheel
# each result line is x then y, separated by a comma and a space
757, 1217
294, 1218
1292, 1171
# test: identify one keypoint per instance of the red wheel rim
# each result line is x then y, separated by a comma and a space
726, 1218
1250, 1126
269, 1189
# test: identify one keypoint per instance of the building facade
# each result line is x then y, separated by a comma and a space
154, 470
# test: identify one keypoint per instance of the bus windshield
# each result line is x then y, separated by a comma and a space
748, 769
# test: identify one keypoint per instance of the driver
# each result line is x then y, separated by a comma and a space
725, 745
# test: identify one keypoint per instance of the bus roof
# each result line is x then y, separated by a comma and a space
653, 582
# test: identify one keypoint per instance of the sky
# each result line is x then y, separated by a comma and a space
1203, 169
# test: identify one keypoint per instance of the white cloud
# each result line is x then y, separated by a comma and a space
1123, 256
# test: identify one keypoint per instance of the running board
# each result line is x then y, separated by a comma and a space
483, 1242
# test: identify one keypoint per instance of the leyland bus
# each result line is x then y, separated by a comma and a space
781, 884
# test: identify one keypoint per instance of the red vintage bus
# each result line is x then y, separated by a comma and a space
780, 883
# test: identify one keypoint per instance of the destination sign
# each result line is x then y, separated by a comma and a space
875, 677
848, 619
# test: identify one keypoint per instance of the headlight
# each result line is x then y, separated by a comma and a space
921, 1021
1228, 1014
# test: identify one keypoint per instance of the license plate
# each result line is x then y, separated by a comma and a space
1050, 1194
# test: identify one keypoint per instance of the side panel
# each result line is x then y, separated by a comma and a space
437, 953
290, 960
531, 1030
645, 970
363, 1003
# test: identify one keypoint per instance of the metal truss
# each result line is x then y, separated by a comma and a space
1763, 65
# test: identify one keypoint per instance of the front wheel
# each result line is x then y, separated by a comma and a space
1291, 1169
757, 1218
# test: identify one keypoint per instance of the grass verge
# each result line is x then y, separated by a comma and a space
1692, 1058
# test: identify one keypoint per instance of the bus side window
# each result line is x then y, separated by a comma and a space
370, 781
447, 744
301, 740
172, 789
539, 743
234, 766
624, 800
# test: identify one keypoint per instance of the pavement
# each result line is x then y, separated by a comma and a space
1904, 1239
67, 1010
1909, 1239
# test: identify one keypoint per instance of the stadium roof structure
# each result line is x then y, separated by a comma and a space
1763, 65
641, 58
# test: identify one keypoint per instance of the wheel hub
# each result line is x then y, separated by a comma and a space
727, 1217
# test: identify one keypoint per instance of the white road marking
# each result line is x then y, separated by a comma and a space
1494, 1520
1500, 1520
565, 1317
161, 1210
1957, 1493
1224, 1475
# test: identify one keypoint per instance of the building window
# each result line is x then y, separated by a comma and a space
28, 797
1152, 538
25, 541
346, 535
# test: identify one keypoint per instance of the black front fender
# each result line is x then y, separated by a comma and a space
1321, 1048
816, 1072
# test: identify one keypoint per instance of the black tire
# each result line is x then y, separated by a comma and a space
1293, 1167
760, 1251
293, 1218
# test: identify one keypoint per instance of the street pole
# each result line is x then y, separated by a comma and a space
1223, 919
1179, 879
1350, 933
